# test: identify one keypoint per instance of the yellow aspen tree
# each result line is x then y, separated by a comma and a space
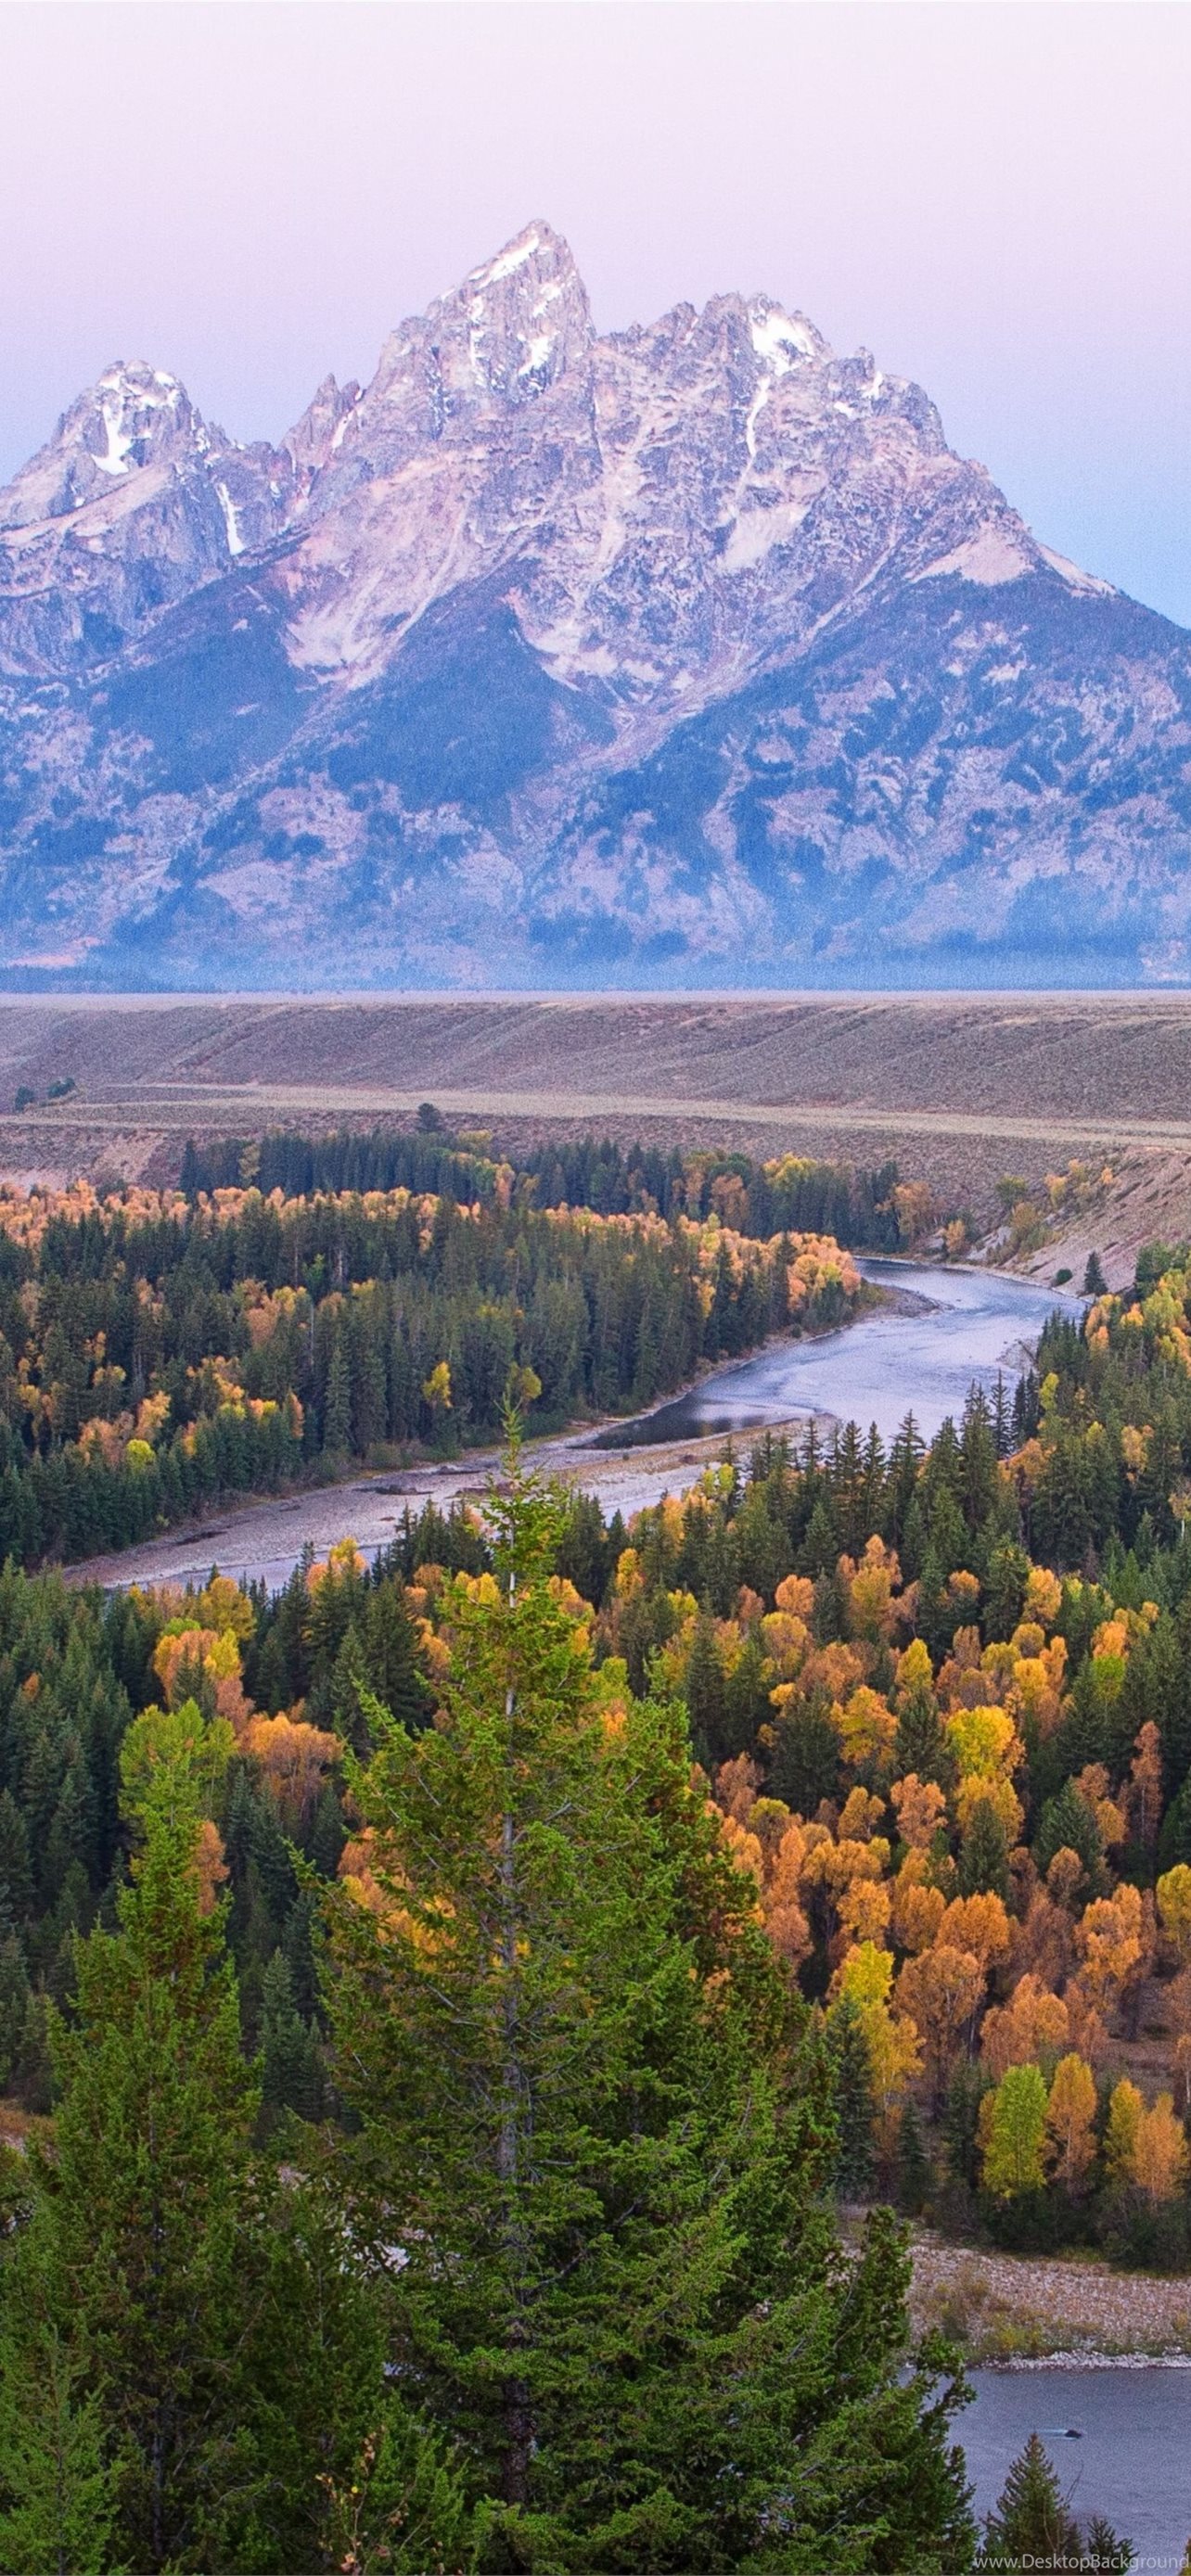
736, 1784
977, 1923
864, 1909
1159, 2160
1146, 1778
1070, 2114
1109, 1937
1033, 2024
894, 2049
940, 1991
872, 1612
918, 1908
860, 1815
867, 1726
920, 1808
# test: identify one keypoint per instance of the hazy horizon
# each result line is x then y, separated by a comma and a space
254, 195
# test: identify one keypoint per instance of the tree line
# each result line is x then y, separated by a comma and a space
870, 1211
158, 1351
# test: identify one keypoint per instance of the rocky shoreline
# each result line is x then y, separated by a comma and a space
1012, 2311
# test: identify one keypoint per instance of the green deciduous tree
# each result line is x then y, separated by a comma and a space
1013, 2155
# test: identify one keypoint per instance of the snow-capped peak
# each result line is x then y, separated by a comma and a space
780, 339
151, 388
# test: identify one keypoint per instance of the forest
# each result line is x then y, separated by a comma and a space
427, 2158
160, 1349
598, 1915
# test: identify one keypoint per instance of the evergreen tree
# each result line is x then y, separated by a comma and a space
336, 2474
965, 2094
390, 1650
298, 1946
14, 2006
57, 2487
984, 1854
1068, 1824
290, 2071
913, 2164
591, 2116
16, 1875
921, 1744
705, 1698
379, 1656
1005, 1590
855, 2105
1034, 2526
326, 1838
348, 1680
805, 1763
1174, 1841
337, 1403
1031, 2521
1103, 2548
32, 2077
820, 1548
144, 2200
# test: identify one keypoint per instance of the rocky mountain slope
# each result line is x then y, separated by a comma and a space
687, 654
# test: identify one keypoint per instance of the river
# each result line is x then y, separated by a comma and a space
949, 1326
1131, 2461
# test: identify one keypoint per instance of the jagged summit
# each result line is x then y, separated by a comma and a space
132, 417
686, 650
518, 323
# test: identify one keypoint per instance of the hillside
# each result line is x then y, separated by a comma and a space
959, 1089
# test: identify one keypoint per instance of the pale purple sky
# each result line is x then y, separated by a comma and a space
993, 195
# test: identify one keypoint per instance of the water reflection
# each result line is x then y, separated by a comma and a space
953, 1326
1132, 2463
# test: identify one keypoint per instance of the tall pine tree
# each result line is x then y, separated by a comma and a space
134, 2243
590, 2118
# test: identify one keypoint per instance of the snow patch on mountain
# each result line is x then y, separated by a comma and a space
119, 442
509, 260
778, 340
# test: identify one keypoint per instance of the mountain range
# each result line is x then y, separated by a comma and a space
683, 655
